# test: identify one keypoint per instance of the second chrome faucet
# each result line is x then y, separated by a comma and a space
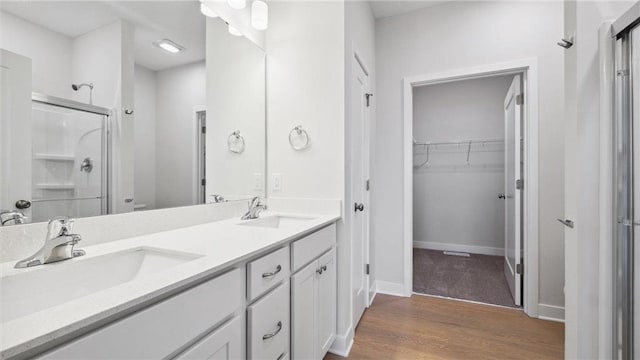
255, 207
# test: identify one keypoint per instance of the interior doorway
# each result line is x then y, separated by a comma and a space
481, 170
466, 205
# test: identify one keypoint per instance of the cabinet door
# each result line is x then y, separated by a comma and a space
222, 344
326, 302
268, 325
304, 313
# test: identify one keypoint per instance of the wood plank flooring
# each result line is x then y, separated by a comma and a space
422, 327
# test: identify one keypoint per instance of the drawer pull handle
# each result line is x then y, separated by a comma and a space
273, 273
281, 356
322, 269
269, 336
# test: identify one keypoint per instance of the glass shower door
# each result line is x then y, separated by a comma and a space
68, 162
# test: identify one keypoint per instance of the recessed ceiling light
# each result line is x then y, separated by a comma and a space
207, 11
168, 45
233, 31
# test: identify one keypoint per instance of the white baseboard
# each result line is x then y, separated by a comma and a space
373, 290
551, 312
342, 344
389, 288
483, 250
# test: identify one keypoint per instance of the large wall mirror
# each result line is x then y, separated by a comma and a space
120, 106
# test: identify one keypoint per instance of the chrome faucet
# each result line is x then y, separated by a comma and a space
58, 246
12, 217
255, 207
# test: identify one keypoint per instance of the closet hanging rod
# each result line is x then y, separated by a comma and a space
460, 142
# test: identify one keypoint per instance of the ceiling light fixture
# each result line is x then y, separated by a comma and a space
204, 9
168, 45
237, 4
233, 31
259, 15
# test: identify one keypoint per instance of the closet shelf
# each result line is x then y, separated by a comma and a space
54, 157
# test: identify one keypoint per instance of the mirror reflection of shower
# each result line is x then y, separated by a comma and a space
77, 87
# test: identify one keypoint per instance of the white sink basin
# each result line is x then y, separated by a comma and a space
278, 221
54, 284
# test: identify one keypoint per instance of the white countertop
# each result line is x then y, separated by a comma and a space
221, 244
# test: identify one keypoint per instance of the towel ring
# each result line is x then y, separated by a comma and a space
235, 142
300, 133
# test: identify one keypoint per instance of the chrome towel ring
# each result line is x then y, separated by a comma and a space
235, 142
299, 138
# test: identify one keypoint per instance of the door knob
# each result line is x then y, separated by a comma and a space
358, 207
501, 196
23, 204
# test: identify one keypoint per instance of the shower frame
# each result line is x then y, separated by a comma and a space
105, 140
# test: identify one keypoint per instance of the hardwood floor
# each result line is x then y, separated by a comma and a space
423, 327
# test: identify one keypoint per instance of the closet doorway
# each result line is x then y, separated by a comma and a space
468, 221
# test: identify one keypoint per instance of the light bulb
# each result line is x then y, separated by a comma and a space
259, 15
204, 9
237, 4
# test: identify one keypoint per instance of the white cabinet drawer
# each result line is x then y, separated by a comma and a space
267, 272
312, 246
224, 343
160, 330
268, 325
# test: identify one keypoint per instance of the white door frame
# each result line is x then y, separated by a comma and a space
529, 67
196, 153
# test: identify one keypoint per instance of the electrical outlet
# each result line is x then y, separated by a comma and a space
277, 182
258, 183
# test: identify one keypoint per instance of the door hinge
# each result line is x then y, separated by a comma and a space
519, 99
203, 182
366, 269
204, 129
519, 269
367, 185
368, 97
519, 184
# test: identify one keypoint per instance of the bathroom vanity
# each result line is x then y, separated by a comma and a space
255, 289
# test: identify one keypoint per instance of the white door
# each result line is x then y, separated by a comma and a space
304, 313
15, 130
512, 193
359, 175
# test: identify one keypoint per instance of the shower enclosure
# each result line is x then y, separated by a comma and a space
627, 185
65, 153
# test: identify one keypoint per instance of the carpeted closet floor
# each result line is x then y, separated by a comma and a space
476, 278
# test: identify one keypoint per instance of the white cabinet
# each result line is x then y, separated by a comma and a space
268, 325
313, 308
163, 329
224, 343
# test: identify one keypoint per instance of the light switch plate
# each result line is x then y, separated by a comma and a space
277, 182
257, 181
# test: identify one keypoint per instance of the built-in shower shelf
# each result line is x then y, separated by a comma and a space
55, 186
54, 157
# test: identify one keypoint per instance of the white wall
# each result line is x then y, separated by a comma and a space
588, 305
461, 35
49, 51
179, 91
305, 47
455, 203
145, 137
236, 101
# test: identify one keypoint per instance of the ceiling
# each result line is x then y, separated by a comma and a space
179, 21
391, 8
